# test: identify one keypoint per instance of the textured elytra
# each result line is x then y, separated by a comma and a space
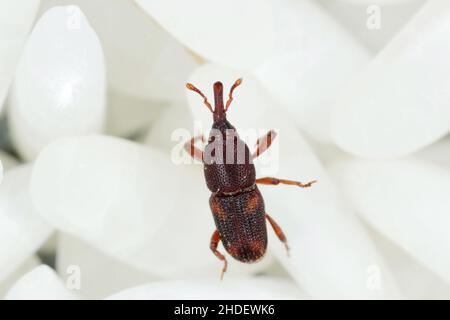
228, 167
240, 220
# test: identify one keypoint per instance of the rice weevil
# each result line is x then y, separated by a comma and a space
236, 203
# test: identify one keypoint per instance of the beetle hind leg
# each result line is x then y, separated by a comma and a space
280, 234
213, 246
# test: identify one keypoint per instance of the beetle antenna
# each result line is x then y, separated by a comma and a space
236, 84
190, 86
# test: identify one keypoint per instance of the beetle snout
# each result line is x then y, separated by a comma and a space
218, 86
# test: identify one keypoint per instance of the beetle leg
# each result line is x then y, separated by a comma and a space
263, 143
275, 181
213, 245
190, 148
276, 228
236, 84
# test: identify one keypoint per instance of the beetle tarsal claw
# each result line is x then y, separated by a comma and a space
288, 250
306, 185
224, 269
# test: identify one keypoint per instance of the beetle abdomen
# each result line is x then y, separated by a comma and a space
240, 220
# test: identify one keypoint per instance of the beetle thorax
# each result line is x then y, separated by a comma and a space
228, 165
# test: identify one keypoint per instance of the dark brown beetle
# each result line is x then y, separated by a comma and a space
236, 203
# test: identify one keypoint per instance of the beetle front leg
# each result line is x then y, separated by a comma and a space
190, 148
275, 181
213, 245
277, 229
263, 143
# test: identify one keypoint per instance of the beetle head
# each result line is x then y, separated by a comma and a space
219, 112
